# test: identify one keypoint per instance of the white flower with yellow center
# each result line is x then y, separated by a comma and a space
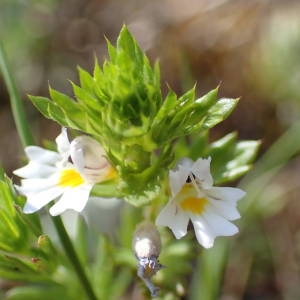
50, 175
195, 198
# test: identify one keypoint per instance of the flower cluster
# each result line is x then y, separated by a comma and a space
122, 107
68, 174
132, 136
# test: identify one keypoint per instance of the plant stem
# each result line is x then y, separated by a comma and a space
15, 101
70, 251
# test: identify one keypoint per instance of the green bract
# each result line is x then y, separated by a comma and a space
24, 253
121, 105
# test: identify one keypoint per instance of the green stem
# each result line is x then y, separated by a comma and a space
16, 102
69, 249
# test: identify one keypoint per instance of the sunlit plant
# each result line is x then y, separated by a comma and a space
125, 145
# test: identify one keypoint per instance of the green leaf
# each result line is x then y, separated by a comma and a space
140, 199
49, 109
17, 268
106, 190
209, 272
103, 272
86, 80
183, 116
166, 108
120, 104
121, 282
219, 112
199, 145
13, 232
37, 292
111, 51
87, 99
231, 159
81, 241
208, 99
70, 108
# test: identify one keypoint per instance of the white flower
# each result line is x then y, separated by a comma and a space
50, 175
195, 198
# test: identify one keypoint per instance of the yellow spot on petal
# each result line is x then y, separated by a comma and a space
70, 178
193, 204
111, 173
189, 200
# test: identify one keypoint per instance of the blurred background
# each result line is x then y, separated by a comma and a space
251, 48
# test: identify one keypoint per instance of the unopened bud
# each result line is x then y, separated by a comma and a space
89, 159
146, 241
146, 245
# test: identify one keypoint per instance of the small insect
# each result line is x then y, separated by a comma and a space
146, 245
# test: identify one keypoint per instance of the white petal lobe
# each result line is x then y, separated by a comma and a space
38, 154
74, 199
174, 219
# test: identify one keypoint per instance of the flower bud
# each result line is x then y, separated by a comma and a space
146, 241
146, 245
89, 159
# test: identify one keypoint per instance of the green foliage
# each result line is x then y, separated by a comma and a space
37, 292
121, 106
25, 254
208, 275
231, 159
13, 234
177, 257
107, 271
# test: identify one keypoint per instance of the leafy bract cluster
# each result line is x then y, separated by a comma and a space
121, 105
25, 254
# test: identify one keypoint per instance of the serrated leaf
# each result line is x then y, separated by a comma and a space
14, 232
49, 109
219, 112
73, 113
128, 44
111, 51
188, 97
86, 80
85, 98
231, 159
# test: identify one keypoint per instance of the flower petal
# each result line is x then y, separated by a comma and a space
35, 169
219, 225
77, 158
92, 152
75, 198
176, 180
41, 155
34, 185
186, 163
209, 225
174, 218
225, 209
36, 201
201, 169
178, 177
63, 144
229, 194
204, 234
